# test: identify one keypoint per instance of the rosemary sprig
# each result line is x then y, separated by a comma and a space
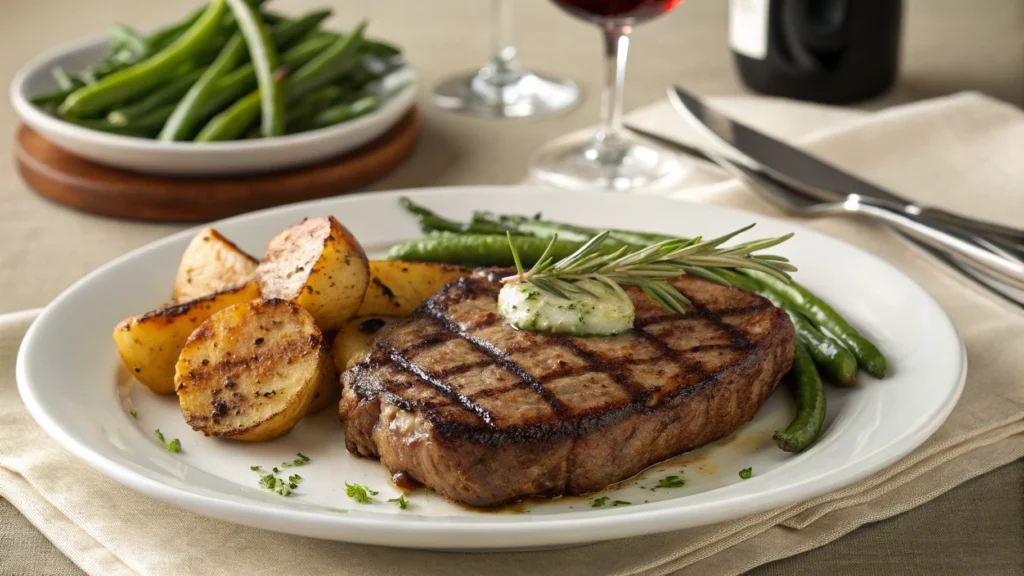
650, 268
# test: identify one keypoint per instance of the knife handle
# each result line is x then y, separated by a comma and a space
1007, 270
979, 227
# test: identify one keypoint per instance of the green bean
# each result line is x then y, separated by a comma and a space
132, 81
830, 356
382, 49
288, 32
345, 111
377, 48
263, 55
482, 250
546, 229
307, 107
145, 126
272, 18
241, 80
810, 405
432, 222
64, 80
163, 37
320, 70
327, 66
125, 38
168, 94
825, 318
233, 122
51, 101
186, 114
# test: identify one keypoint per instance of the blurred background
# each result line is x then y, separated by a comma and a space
947, 46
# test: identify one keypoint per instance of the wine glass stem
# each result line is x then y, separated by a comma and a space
616, 49
503, 67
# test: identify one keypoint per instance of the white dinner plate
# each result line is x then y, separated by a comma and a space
70, 378
398, 91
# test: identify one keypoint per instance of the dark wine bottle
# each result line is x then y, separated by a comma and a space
833, 51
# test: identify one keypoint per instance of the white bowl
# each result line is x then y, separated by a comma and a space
189, 158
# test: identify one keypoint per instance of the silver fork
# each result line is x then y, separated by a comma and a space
979, 255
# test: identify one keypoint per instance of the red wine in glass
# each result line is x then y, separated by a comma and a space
631, 11
609, 159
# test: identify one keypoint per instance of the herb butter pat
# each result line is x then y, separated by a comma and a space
600, 311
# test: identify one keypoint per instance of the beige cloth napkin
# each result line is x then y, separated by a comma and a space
961, 152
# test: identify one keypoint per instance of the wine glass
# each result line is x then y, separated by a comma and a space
502, 89
609, 159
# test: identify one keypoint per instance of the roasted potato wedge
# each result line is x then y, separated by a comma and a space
329, 392
251, 371
211, 263
149, 344
396, 288
318, 265
353, 340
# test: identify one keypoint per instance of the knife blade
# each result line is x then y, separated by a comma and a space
812, 175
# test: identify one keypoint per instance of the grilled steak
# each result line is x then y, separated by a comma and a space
486, 414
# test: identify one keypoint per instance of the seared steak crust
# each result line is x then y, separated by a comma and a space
485, 414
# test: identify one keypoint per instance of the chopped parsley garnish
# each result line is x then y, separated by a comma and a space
172, 446
134, 413
621, 503
401, 502
746, 473
359, 493
300, 460
277, 485
598, 502
671, 482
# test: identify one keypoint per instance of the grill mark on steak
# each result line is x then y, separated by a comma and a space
737, 338
442, 386
500, 357
637, 393
440, 338
704, 313
743, 309
676, 356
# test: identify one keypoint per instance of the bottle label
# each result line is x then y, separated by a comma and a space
748, 27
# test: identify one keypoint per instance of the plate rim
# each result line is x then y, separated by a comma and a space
635, 520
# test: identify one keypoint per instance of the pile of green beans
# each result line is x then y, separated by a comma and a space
228, 70
825, 342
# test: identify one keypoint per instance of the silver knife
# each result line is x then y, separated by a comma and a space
815, 177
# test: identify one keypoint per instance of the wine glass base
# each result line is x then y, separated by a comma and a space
618, 163
527, 95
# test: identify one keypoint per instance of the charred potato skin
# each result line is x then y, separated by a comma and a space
211, 263
329, 391
353, 340
396, 288
149, 344
319, 265
252, 371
